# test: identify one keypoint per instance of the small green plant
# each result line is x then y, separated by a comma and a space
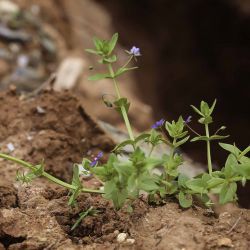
124, 179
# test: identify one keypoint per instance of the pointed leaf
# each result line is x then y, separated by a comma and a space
196, 110
112, 43
212, 107
185, 200
179, 143
200, 138
228, 193
99, 77
123, 70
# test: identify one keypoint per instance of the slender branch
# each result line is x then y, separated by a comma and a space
192, 129
130, 58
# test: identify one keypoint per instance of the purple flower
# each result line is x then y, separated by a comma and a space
135, 51
188, 120
158, 124
96, 159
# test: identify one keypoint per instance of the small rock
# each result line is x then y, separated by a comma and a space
130, 241
224, 242
22, 61
121, 237
40, 110
11, 147
116, 232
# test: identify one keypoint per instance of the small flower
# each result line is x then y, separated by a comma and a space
158, 124
188, 120
96, 159
135, 51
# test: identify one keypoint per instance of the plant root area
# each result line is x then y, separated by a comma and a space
55, 128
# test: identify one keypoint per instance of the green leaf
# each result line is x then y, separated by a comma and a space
123, 70
243, 170
205, 120
98, 43
117, 195
122, 145
147, 183
74, 195
204, 108
75, 179
92, 51
182, 179
200, 138
228, 193
231, 148
181, 142
197, 185
76, 183
218, 137
214, 182
212, 107
142, 137
82, 215
122, 102
244, 152
124, 169
196, 110
185, 200
112, 43
99, 77
111, 59
155, 138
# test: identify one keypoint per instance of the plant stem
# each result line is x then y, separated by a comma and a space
151, 150
123, 109
48, 176
130, 58
209, 162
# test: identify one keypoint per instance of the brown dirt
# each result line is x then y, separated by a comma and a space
36, 216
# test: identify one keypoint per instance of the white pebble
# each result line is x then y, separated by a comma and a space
121, 237
130, 241
11, 147
40, 110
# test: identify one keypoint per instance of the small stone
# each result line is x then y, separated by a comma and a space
130, 241
224, 242
40, 110
121, 237
116, 232
11, 147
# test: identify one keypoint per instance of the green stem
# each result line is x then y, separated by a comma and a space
173, 148
209, 162
151, 150
48, 176
123, 109
130, 58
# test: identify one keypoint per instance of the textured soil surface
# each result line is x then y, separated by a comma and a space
54, 127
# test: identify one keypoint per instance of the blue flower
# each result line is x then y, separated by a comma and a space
188, 120
96, 159
135, 51
158, 124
